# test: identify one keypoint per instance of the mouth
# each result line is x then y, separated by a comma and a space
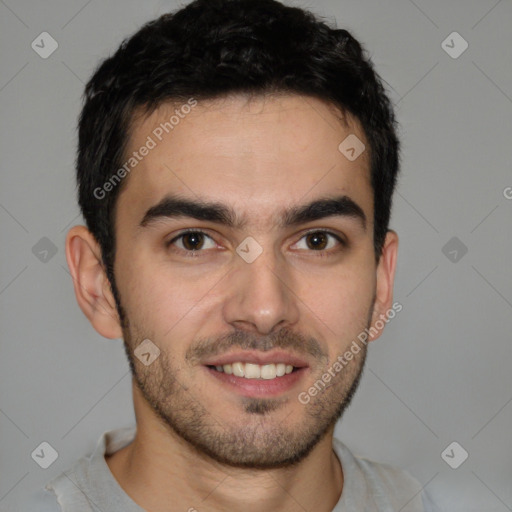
258, 374
255, 371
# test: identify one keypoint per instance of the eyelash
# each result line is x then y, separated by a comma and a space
195, 254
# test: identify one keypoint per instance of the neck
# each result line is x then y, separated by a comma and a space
160, 471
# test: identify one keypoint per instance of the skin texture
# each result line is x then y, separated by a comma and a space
201, 444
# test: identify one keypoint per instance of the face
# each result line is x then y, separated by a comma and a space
244, 252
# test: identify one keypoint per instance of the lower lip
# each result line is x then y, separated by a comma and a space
259, 388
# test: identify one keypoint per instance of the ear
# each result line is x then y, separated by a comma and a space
384, 287
92, 287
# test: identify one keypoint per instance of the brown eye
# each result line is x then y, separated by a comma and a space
322, 242
317, 241
192, 241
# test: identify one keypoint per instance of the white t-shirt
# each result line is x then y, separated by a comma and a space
89, 486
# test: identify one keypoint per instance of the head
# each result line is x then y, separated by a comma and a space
227, 223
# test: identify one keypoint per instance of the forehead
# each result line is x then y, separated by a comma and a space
257, 155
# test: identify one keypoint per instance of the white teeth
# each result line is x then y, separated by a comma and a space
268, 371
252, 371
256, 371
238, 369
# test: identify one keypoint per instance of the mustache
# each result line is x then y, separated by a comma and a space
283, 339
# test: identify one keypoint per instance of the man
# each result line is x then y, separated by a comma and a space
236, 166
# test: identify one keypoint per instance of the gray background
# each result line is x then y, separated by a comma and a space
441, 371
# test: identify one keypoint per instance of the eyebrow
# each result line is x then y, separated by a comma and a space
172, 206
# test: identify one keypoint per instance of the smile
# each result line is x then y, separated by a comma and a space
258, 374
255, 371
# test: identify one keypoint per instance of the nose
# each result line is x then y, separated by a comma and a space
261, 298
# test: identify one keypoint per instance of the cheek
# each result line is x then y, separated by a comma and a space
339, 302
171, 302
160, 298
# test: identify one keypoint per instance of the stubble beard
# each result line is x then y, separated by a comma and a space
260, 443
255, 440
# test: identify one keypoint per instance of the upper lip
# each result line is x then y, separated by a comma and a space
256, 357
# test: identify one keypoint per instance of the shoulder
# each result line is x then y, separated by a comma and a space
43, 500
87, 483
387, 487
386, 476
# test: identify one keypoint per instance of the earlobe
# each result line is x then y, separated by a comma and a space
385, 281
92, 288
